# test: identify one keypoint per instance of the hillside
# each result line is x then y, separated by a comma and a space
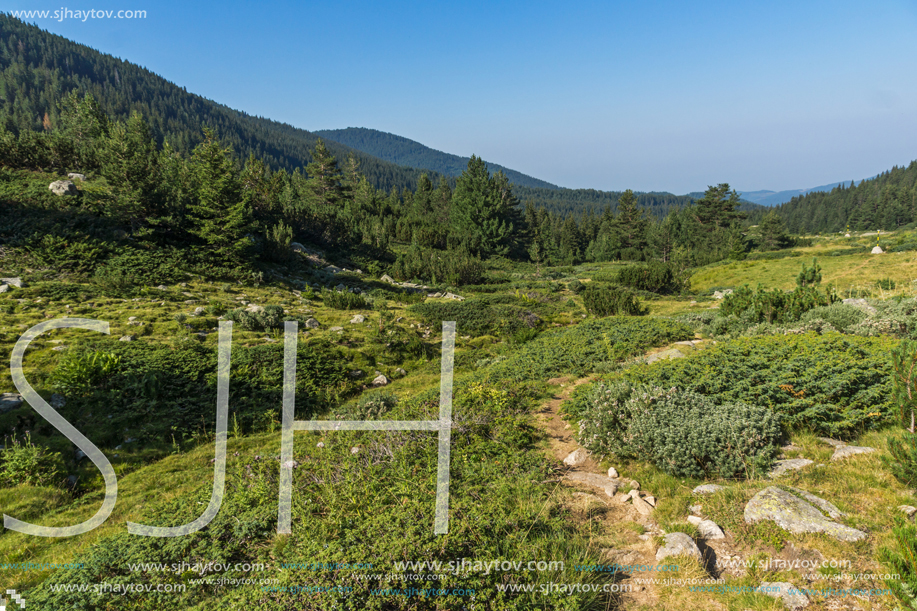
405, 152
886, 202
37, 69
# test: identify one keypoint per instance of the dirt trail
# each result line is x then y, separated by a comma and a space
621, 533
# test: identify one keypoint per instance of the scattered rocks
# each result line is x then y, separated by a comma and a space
63, 187
708, 489
381, 380
9, 401
358, 319
846, 451
576, 458
796, 515
678, 544
788, 593
312, 324
793, 464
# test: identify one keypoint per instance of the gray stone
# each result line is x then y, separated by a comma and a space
832, 442
131, 318
357, 319
860, 303
795, 515
908, 510
708, 529
789, 594
10, 401
453, 296
57, 401
356, 373
678, 544
63, 187
696, 520
126, 338
695, 509
297, 247
387, 278
721, 294
4, 288
17, 282
255, 308
793, 464
434, 295
162, 287
336, 328
671, 353
846, 451
75, 176
340, 287
400, 372
312, 324
59, 348
381, 380
642, 506
821, 503
79, 455
612, 472
877, 250
610, 486
707, 489
576, 458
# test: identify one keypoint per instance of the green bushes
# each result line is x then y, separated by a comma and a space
271, 317
654, 276
833, 384
344, 300
902, 459
839, 315
611, 300
79, 371
25, 463
453, 267
902, 560
482, 316
774, 306
681, 432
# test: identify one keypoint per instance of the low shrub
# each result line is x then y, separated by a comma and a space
839, 315
270, 318
681, 432
25, 463
902, 458
78, 371
454, 267
902, 561
611, 300
344, 300
774, 306
654, 276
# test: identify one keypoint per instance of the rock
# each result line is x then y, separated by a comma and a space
57, 401
642, 506
696, 520
79, 455
862, 304
788, 593
908, 510
252, 307
59, 348
357, 319
793, 464
380, 381
795, 515
190, 301
354, 450
71, 480
877, 250
846, 451
133, 318
612, 472
4, 288
576, 458
162, 287
312, 324
434, 295
297, 247
400, 372
671, 353
594, 480
821, 503
10, 401
75, 176
695, 509
340, 287
832, 442
63, 187
333, 269
126, 338
453, 296
387, 278
708, 529
678, 544
721, 294
651, 500
199, 310
707, 489
17, 282
336, 328
634, 484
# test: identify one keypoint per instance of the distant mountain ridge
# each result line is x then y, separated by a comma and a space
775, 198
406, 152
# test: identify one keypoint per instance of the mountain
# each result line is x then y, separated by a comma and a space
38, 68
405, 152
775, 198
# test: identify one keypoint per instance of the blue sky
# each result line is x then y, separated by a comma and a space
649, 95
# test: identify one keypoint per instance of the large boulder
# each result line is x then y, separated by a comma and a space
845, 451
63, 187
678, 544
576, 458
792, 464
10, 401
794, 513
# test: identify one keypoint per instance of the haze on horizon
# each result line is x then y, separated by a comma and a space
655, 96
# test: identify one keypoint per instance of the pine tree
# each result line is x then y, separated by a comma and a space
482, 211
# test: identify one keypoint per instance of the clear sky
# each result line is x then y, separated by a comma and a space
649, 95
